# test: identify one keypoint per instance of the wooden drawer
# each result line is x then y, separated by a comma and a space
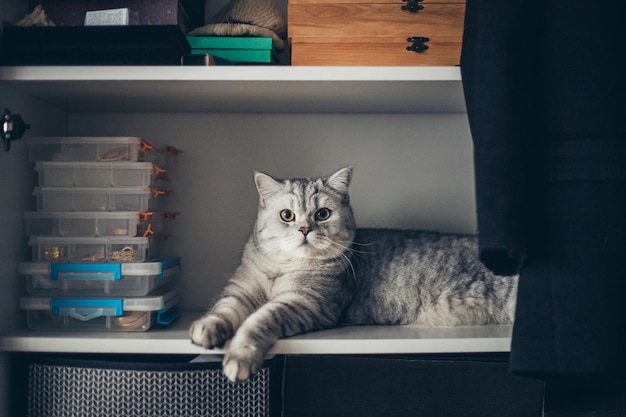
344, 32
442, 51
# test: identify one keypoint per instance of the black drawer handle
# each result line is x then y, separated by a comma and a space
418, 43
412, 6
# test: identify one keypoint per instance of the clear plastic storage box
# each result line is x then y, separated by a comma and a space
92, 249
100, 199
98, 280
97, 174
131, 314
94, 223
98, 149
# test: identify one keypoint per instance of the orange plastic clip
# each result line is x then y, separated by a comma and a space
156, 193
146, 215
146, 146
160, 173
148, 230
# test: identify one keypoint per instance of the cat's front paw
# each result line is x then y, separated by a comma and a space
210, 332
241, 362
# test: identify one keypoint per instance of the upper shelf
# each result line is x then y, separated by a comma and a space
258, 89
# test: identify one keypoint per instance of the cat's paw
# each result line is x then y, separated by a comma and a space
241, 362
210, 332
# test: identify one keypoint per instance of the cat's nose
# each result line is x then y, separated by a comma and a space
305, 230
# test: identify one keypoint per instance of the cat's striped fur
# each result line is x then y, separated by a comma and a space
307, 267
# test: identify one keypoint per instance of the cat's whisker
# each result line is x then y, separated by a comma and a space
347, 246
355, 243
348, 262
343, 257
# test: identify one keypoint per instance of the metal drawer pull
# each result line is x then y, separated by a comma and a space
418, 43
412, 6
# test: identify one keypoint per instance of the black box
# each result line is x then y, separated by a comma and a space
436, 386
188, 14
93, 45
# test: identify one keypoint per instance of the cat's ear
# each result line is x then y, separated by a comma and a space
266, 186
340, 180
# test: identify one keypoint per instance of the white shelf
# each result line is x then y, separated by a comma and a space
259, 89
338, 341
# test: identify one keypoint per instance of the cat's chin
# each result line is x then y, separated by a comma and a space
306, 250
310, 252
298, 249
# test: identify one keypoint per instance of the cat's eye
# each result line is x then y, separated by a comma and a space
287, 215
322, 214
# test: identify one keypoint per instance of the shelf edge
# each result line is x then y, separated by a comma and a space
335, 341
243, 73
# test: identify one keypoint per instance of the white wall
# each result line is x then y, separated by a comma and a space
411, 171
16, 183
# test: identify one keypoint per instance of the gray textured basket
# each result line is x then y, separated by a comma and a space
78, 388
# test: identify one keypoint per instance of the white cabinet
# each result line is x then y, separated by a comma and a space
403, 129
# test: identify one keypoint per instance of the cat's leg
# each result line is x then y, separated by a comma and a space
222, 321
283, 316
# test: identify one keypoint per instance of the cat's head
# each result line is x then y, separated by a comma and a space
302, 219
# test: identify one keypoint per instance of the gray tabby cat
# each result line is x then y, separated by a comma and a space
307, 267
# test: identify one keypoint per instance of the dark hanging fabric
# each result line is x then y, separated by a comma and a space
545, 91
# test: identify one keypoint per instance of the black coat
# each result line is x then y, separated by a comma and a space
545, 92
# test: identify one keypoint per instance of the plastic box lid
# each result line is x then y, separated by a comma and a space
99, 199
99, 279
110, 306
95, 140
94, 190
101, 271
98, 174
68, 148
93, 148
95, 223
116, 215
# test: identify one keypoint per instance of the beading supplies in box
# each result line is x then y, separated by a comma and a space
93, 249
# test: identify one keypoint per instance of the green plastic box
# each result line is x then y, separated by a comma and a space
247, 49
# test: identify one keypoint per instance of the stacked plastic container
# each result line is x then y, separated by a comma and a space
101, 214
